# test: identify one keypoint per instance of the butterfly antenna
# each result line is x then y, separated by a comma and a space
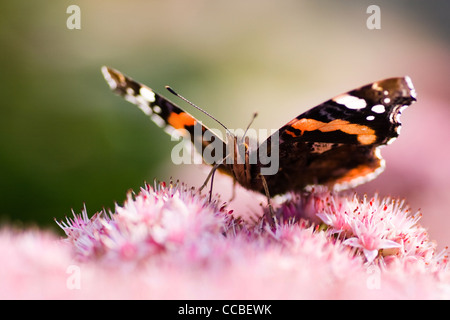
249, 125
198, 108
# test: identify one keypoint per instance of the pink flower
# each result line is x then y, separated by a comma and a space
169, 242
158, 219
370, 238
378, 227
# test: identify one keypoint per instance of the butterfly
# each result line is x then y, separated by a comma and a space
335, 144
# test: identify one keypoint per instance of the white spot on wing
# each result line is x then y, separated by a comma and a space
370, 118
158, 120
392, 139
145, 108
399, 113
351, 102
147, 94
112, 84
376, 86
157, 109
378, 108
411, 87
131, 98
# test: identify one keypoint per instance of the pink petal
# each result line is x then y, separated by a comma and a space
387, 244
353, 242
370, 254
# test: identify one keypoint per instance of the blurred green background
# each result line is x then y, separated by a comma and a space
66, 140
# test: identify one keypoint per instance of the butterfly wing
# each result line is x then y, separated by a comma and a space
337, 143
174, 120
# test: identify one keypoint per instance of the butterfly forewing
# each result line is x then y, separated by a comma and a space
163, 112
337, 143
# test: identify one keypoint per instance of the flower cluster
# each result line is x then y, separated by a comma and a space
382, 230
159, 219
318, 244
164, 218
378, 228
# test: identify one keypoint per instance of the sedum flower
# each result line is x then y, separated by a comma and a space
158, 219
377, 227
170, 242
370, 238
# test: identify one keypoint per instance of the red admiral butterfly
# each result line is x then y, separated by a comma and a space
336, 144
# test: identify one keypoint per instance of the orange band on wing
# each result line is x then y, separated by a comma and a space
365, 134
291, 133
360, 171
367, 138
181, 120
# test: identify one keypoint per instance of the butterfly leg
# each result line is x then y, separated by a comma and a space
269, 203
233, 195
210, 175
212, 183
